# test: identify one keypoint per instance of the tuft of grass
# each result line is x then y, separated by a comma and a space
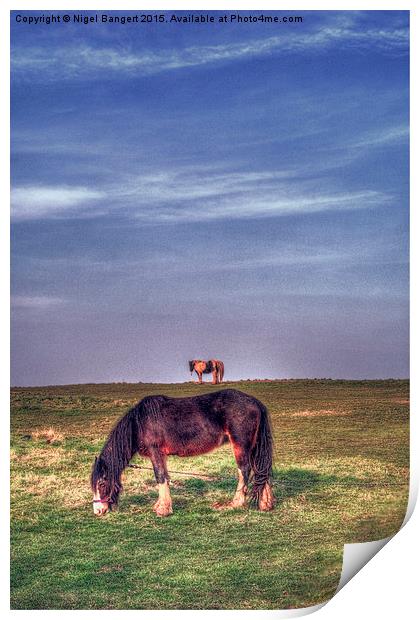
341, 475
50, 435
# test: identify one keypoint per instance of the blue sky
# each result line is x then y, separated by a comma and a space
221, 190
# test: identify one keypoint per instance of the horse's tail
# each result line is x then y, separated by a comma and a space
221, 371
261, 460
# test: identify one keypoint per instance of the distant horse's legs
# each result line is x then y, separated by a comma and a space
214, 373
200, 376
163, 506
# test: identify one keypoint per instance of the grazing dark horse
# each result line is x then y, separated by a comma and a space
159, 426
216, 367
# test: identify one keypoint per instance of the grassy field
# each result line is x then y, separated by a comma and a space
341, 475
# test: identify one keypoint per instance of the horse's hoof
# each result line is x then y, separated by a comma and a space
265, 505
163, 511
267, 500
240, 504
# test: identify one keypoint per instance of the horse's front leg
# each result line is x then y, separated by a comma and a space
200, 377
163, 505
214, 373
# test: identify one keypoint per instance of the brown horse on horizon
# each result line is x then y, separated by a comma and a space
216, 367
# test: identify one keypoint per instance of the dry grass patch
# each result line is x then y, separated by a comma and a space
50, 435
41, 457
110, 569
68, 493
35, 484
307, 413
79, 497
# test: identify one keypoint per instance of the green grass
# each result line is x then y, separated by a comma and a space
341, 476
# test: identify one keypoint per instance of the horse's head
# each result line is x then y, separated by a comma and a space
102, 488
191, 364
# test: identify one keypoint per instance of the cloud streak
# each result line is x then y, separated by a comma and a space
31, 202
193, 195
199, 195
387, 136
36, 302
84, 61
265, 206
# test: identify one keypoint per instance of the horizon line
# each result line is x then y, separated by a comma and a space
209, 383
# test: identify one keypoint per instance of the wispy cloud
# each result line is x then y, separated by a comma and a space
193, 195
189, 195
262, 256
201, 182
88, 61
247, 207
384, 137
36, 302
44, 201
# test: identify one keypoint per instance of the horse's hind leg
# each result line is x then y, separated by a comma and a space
244, 470
242, 453
163, 505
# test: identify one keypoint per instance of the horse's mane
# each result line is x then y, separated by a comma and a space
123, 442
116, 454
